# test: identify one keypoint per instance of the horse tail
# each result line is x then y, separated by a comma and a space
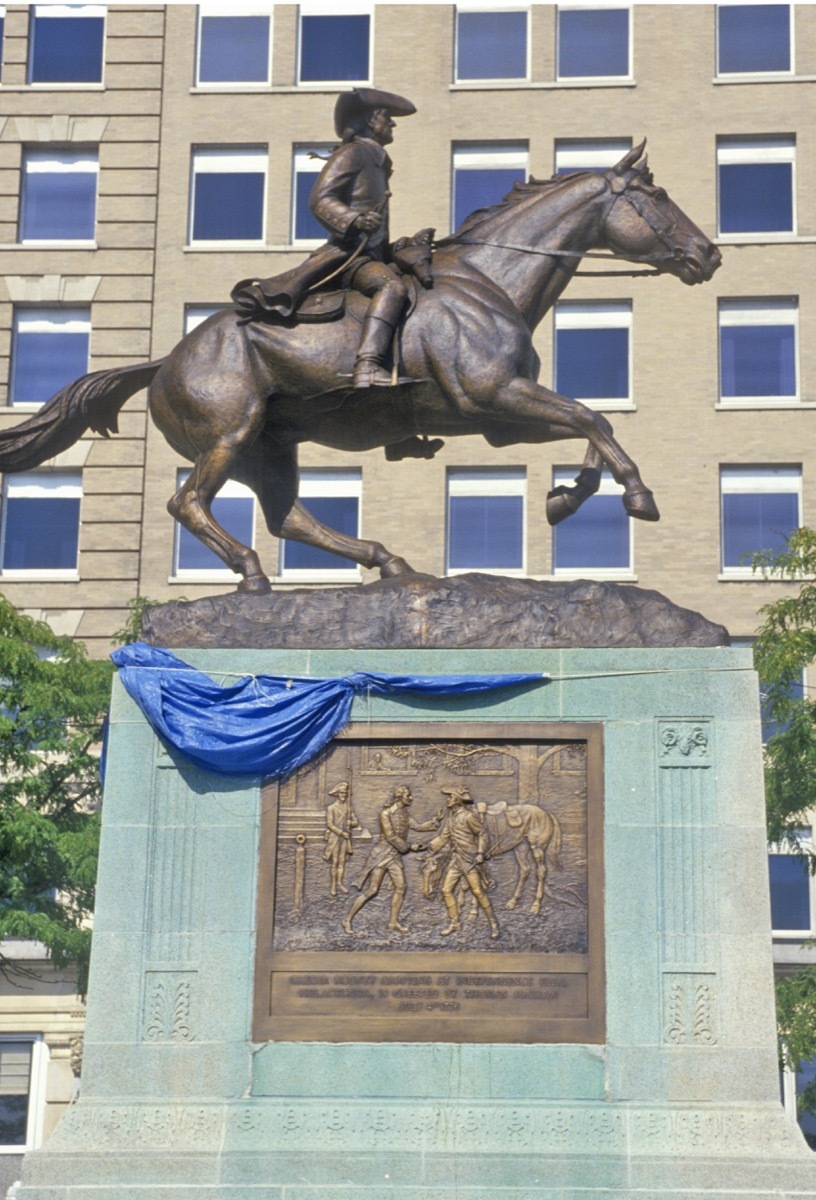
92, 402
555, 844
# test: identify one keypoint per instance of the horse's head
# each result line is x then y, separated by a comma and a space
643, 224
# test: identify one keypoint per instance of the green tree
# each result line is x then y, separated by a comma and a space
53, 700
785, 646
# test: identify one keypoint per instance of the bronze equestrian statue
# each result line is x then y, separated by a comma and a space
236, 396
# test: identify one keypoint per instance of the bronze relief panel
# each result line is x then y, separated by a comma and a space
435, 883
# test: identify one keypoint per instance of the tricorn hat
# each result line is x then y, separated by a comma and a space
338, 789
458, 793
351, 105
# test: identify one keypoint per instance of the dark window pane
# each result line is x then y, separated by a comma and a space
756, 197
485, 532
306, 224
480, 188
228, 207
754, 522
339, 513
593, 42
594, 538
67, 49
592, 364
234, 50
2, 23
59, 205
491, 45
790, 892
754, 37
333, 48
41, 533
13, 1120
233, 513
758, 360
42, 363
772, 728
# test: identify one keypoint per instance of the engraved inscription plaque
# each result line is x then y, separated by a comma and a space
437, 882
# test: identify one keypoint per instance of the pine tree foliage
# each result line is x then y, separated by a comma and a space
53, 700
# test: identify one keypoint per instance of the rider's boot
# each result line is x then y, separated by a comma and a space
453, 913
369, 366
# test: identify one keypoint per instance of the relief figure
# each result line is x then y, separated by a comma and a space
341, 819
385, 857
465, 836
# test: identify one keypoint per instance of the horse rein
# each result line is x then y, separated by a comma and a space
557, 252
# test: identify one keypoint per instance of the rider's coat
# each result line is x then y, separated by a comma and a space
353, 181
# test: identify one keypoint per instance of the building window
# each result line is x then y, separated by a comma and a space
2, 24
589, 154
483, 173
756, 184
234, 510
485, 519
333, 498
598, 537
791, 890
335, 47
761, 506
793, 1084
491, 43
49, 349
58, 201
308, 162
753, 39
593, 43
66, 43
23, 1062
233, 47
593, 351
197, 314
40, 531
228, 194
758, 351
795, 691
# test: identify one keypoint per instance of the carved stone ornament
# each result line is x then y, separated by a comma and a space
435, 883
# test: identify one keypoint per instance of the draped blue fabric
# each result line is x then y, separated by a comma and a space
265, 724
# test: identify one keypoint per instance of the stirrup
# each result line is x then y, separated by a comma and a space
368, 373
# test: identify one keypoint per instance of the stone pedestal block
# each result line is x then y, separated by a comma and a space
680, 1101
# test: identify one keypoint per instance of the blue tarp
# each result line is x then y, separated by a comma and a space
265, 724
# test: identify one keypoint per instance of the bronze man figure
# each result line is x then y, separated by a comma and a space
465, 835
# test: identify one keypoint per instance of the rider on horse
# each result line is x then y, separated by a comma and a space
350, 198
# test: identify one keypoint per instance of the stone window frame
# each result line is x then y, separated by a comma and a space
512, 154
588, 154
72, 159
322, 483
53, 318
490, 7
228, 160
231, 490
755, 479
328, 8
304, 164
71, 11
38, 1071
756, 149
761, 311
770, 74
596, 314
40, 483
563, 475
224, 11
578, 5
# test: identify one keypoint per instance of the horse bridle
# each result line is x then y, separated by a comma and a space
619, 188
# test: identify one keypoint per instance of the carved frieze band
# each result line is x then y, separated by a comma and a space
335, 1127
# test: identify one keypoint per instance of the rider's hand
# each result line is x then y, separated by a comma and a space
368, 222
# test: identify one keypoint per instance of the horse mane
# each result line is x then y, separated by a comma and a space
520, 192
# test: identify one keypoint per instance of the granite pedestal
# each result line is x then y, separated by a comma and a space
681, 1100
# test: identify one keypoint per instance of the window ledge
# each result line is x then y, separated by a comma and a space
189, 577
209, 89
56, 87
22, 406
763, 77
504, 572
764, 239
608, 405
333, 85
44, 575
231, 248
746, 575
592, 576
496, 85
752, 405
67, 244
300, 580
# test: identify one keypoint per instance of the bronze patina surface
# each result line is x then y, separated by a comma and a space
445, 348
435, 883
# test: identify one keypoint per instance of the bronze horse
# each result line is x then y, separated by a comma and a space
533, 834
236, 398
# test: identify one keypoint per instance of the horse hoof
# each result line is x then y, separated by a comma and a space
535, 909
511, 904
256, 585
395, 566
640, 503
561, 504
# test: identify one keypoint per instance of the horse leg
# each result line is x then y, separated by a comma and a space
540, 856
272, 474
563, 501
192, 507
524, 400
522, 853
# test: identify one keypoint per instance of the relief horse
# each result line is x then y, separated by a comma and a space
532, 834
237, 398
